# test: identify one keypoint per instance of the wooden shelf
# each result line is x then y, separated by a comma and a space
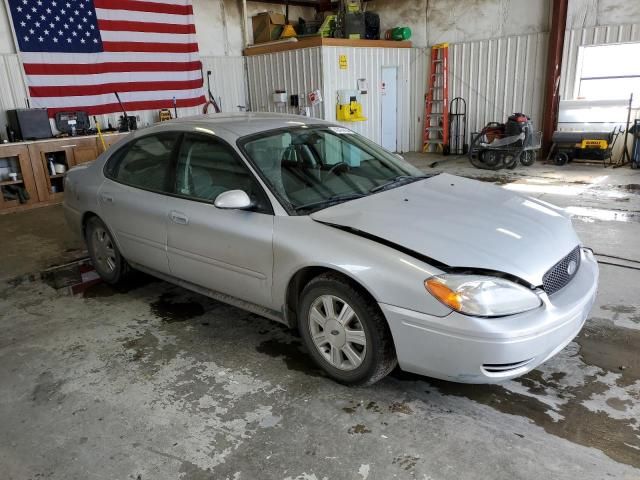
317, 41
10, 182
36, 178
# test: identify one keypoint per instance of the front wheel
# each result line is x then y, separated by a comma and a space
528, 158
104, 253
345, 332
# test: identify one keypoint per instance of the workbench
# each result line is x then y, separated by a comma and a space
30, 160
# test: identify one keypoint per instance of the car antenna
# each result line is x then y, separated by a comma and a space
126, 117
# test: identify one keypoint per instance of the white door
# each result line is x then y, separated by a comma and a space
389, 95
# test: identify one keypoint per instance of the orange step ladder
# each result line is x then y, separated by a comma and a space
436, 112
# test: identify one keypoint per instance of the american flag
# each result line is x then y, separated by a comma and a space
77, 53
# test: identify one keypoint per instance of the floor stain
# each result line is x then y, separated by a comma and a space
598, 341
171, 311
497, 179
47, 390
293, 355
141, 346
400, 407
406, 462
358, 429
619, 308
632, 187
373, 406
133, 282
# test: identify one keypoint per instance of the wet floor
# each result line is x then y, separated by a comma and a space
148, 380
156, 381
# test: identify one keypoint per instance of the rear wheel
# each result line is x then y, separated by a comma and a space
104, 253
561, 158
345, 332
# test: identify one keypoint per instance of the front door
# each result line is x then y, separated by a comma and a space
228, 251
133, 201
389, 110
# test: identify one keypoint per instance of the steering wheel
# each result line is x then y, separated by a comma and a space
337, 165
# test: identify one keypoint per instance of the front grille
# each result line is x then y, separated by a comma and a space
560, 274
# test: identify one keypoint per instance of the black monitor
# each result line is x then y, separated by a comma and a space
30, 123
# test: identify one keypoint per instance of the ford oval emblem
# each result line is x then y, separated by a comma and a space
572, 267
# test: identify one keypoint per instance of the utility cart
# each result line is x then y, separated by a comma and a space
500, 145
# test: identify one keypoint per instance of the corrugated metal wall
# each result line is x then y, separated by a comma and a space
12, 91
496, 77
227, 84
580, 37
296, 71
367, 63
300, 71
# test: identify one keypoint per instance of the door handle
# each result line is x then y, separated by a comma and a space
106, 198
179, 218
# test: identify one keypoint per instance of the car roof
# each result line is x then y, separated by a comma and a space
242, 123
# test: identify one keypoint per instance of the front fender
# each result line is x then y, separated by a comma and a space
390, 276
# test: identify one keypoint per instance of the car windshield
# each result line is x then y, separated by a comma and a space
310, 168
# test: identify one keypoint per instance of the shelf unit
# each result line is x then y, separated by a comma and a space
51, 185
31, 159
16, 157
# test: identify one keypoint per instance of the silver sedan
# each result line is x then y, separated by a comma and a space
307, 223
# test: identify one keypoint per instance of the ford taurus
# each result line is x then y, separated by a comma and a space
373, 262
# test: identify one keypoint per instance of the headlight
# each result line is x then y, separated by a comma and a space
482, 296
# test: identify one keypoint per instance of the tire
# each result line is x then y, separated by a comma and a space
561, 158
510, 161
528, 158
104, 253
446, 150
491, 160
362, 362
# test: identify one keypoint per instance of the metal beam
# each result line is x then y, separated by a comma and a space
552, 76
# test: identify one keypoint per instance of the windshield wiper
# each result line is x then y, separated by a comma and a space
330, 201
399, 180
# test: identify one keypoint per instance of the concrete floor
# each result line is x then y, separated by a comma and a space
153, 382
34, 240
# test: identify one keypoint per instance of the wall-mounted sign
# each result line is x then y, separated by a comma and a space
363, 85
314, 97
343, 62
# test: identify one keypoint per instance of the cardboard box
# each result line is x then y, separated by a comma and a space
267, 26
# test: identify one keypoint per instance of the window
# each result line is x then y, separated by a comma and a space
206, 168
305, 166
608, 72
145, 163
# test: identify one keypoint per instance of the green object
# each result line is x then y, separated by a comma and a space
401, 33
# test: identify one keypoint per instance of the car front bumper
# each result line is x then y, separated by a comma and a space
468, 349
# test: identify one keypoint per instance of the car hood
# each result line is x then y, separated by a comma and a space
463, 223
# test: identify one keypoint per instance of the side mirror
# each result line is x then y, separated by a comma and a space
233, 200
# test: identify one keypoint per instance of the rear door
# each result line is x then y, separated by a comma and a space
229, 251
133, 198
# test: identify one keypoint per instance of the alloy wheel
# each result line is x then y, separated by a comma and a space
337, 333
104, 250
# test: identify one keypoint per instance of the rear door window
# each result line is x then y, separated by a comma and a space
146, 163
